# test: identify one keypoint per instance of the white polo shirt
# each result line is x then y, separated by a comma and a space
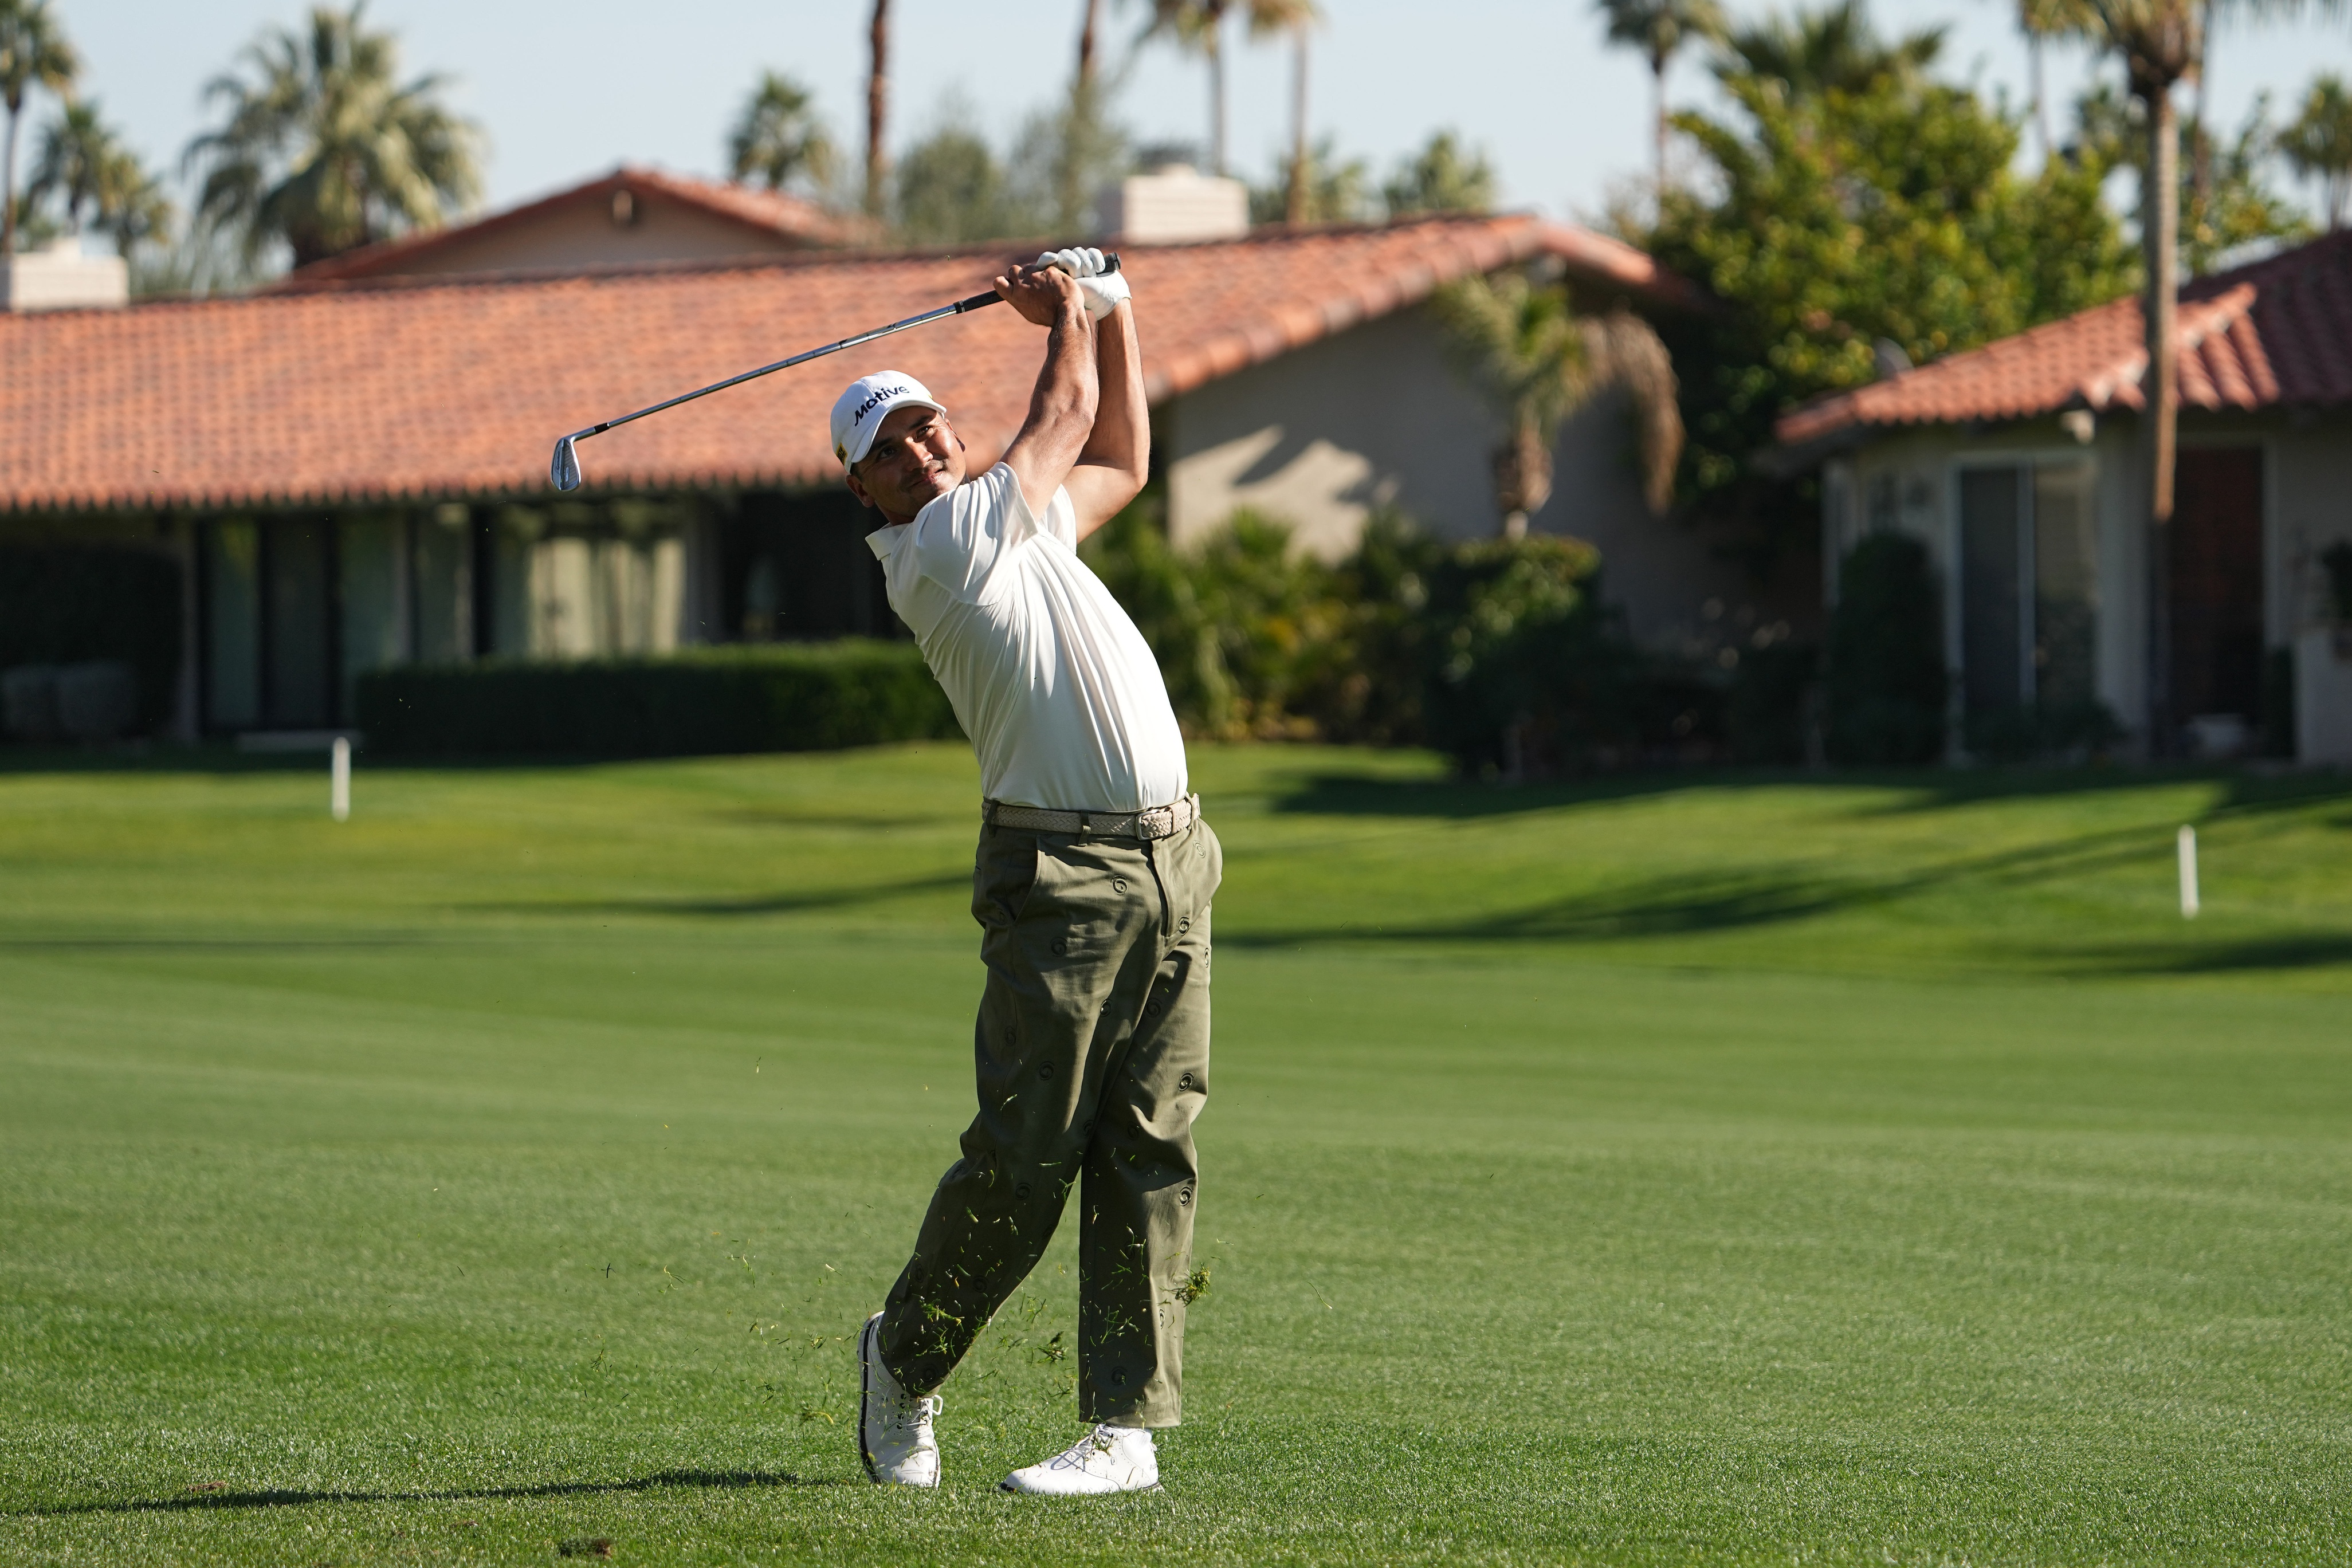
1057, 689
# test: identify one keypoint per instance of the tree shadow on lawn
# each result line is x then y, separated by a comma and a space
750, 904
1919, 789
660, 1481
1701, 902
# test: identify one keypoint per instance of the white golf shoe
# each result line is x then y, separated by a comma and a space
894, 1427
1108, 1459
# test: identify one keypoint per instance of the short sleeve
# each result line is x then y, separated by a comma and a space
960, 538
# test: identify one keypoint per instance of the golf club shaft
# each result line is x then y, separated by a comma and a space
565, 469
974, 303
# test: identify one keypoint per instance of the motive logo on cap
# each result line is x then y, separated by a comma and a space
857, 413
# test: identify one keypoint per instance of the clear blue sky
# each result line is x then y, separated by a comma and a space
568, 87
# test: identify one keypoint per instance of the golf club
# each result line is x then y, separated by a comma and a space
564, 469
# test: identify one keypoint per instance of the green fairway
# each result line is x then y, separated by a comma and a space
1690, 1169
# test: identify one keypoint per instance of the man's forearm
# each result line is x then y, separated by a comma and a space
1122, 432
1061, 409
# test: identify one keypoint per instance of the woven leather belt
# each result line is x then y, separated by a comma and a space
1159, 822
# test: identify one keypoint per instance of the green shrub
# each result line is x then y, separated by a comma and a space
1766, 715
1886, 681
1497, 652
68, 604
813, 696
2027, 732
2337, 560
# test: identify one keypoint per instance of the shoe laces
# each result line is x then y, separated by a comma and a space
1098, 1443
914, 1414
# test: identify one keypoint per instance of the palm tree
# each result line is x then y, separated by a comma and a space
131, 207
1833, 49
1659, 28
1297, 18
2318, 144
31, 51
2159, 42
878, 107
1198, 26
323, 148
1537, 363
72, 160
778, 136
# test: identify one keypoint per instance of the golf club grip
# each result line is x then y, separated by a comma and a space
1110, 264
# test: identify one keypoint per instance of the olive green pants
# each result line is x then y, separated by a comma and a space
1092, 1054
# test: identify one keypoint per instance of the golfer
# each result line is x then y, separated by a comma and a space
1091, 885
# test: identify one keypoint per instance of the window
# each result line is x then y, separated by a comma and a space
2028, 581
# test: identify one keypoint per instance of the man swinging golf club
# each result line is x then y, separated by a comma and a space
1092, 886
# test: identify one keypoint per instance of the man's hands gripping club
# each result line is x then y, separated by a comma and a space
1087, 431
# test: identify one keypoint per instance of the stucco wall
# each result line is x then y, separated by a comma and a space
1322, 437
583, 233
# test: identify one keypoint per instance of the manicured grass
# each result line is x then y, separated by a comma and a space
1692, 1168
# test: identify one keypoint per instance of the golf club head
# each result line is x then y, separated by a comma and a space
565, 469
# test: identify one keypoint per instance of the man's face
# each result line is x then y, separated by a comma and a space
915, 459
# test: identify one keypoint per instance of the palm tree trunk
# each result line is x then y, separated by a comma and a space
2200, 143
1216, 103
8, 186
1294, 204
1658, 124
1091, 14
878, 107
2160, 237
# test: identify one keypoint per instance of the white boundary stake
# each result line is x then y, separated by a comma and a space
2188, 841
339, 776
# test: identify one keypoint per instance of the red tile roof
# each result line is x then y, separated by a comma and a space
449, 387
770, 215
2277, 331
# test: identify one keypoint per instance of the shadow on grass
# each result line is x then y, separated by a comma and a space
2178, 957
752, 904
1916, 790
1698, 902
207, 944
663, 1480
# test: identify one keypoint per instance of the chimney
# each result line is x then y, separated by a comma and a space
60, 277
1174, 203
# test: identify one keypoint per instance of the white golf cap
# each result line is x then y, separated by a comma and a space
858, 412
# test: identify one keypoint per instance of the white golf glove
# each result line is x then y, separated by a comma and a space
1104, 290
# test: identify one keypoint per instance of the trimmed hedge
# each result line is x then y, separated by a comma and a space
806, 697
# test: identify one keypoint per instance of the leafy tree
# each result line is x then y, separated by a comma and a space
1066, 155
951, 190
1327, 190
322, 146
1537, 363
2318, 144
33, 52
1660, 28
778, 137
1835, 217
83, 163
1439, 178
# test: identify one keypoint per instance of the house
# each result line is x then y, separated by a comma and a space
631, 215
2015, 464
353, 470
